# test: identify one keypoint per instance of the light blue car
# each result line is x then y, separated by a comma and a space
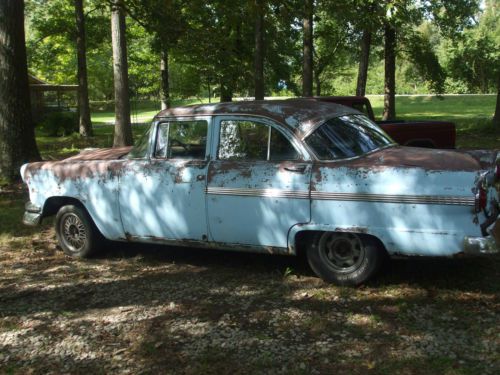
279, 177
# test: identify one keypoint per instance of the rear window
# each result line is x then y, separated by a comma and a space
346, 137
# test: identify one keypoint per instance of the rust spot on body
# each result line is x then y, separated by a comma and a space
73, 170
101, 154
298, 115
407, 157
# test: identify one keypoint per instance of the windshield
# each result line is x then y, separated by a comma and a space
346, 137
141, 147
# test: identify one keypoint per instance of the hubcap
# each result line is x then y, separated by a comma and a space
73, 232
343, 252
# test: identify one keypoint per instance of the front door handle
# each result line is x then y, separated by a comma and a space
296, 169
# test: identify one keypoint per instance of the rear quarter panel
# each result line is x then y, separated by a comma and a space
411, 210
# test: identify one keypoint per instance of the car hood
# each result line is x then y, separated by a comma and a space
89, 162
101, 154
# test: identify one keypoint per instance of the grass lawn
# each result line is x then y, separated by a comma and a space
471, 113
461, 109
61, 147
141, 112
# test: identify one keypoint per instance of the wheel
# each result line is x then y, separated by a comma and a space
344, 258
76, 233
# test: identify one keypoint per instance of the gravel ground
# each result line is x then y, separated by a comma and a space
149, 309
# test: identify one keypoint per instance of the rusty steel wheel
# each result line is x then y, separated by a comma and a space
345, 258
343, 252
75, 231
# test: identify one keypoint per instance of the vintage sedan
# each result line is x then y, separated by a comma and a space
279, 177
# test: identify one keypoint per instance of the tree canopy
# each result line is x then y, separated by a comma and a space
211, 45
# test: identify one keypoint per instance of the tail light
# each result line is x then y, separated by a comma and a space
481, 199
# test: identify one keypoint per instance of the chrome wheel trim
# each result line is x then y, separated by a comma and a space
342, 252
73, 232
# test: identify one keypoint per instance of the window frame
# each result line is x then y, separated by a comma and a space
168, 120
314, 153
302, 154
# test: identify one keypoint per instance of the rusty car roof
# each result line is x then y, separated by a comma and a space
300, 115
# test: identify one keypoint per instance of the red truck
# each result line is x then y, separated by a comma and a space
431, 134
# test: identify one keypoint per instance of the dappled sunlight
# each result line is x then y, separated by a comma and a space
261, 219
184, 307
363, 320
163, 200
241, 291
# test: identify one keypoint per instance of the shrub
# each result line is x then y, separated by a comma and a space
55, 124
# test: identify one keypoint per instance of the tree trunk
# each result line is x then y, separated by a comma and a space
259, 50
165, 84
226, 90
123, 129
496, 117
366, 42
17, 134
209, 83
317, 80
390, 74
85, 125
307, 67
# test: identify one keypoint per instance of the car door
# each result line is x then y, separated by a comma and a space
162, 197
258, 182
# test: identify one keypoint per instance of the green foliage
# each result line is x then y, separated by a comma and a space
224, 54
211, 42
452, 16
426, 62
55, 124
144, 66
51, 43
333, 52
185, 80
475, 59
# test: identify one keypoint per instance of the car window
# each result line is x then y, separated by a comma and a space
141, 147
251, 140
346, 137
181, 140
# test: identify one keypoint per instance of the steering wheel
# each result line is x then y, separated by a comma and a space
176, 142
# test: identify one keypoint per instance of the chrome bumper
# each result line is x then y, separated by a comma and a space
32, 214
480, 245
484, 245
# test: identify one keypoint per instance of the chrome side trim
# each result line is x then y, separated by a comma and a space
360, 197
387, 198
268, 193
